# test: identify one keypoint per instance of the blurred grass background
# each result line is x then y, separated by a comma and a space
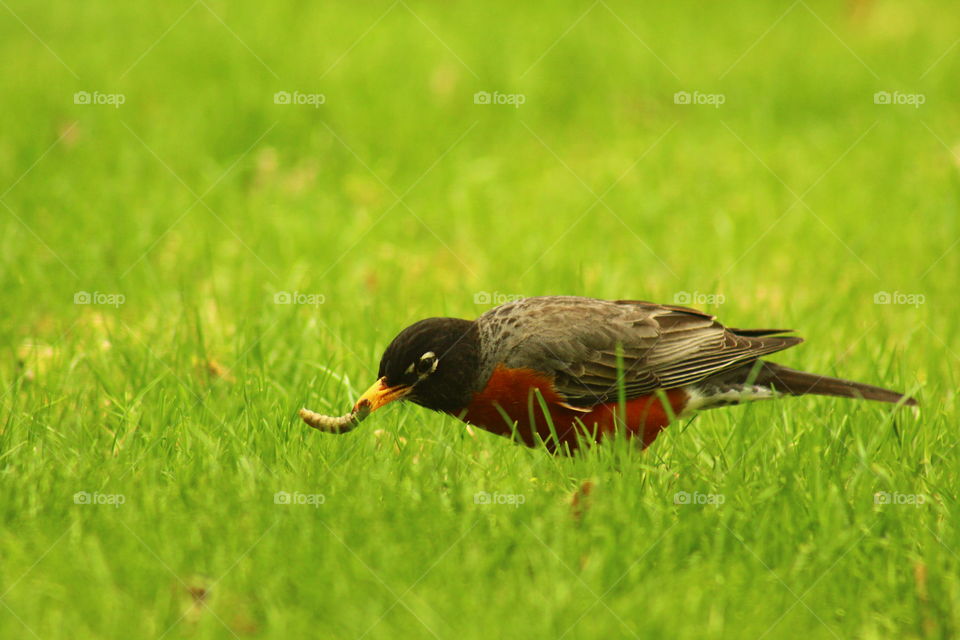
199, 200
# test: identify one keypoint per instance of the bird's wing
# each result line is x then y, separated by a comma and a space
584, 344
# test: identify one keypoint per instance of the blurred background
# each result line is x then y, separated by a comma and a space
149, 152
213, 213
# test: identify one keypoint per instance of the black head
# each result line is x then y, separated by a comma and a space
438, 359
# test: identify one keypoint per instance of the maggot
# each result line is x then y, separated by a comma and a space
335, 424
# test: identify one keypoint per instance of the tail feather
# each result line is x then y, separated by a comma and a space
761, 379
759, 333
798, 383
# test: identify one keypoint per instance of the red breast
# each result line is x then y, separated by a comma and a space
510, 403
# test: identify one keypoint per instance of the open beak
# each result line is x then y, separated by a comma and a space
378, 395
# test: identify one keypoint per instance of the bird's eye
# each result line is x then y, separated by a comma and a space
427, 364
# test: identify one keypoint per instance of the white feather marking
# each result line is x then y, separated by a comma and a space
698, 399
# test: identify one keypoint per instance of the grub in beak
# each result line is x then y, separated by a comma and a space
335, 424
373, 398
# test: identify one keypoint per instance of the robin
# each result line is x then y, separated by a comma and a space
563, 370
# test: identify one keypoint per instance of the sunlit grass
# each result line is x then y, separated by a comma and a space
185, 212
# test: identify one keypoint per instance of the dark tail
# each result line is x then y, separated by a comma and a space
799, 383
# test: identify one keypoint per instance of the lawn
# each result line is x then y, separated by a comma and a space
213, 213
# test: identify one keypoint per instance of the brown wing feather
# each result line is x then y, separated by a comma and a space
579, 342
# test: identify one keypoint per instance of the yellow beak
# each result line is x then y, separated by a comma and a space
378, 395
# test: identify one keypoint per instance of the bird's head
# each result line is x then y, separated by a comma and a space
434, 363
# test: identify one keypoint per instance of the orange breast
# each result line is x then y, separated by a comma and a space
509, 399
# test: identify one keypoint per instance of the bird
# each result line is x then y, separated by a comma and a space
561, 371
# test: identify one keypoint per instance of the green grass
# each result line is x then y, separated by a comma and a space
199, 199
